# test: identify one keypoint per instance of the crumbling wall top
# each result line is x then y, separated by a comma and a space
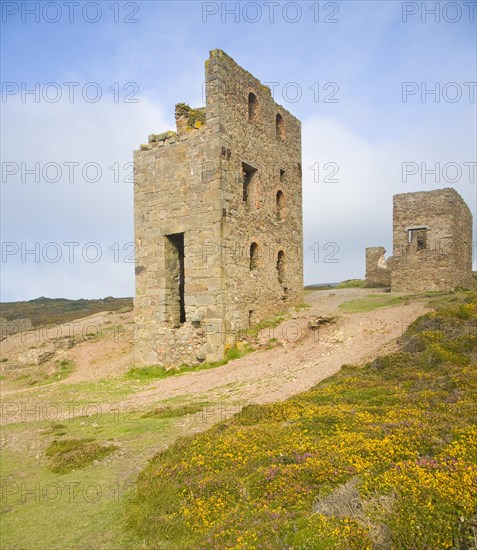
434, 194
189, 119
218, 58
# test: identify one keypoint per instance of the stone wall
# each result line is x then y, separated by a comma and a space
227, 182
378, 269
432, 241
271, 217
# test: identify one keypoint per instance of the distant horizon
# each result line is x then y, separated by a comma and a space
132, 297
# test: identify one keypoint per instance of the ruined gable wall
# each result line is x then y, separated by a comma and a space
256, 143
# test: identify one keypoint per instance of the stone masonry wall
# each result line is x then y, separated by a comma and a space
378, 269
172, 196
189, 185
432, 241
274, 224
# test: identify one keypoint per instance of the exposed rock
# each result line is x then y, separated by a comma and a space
318, 322
37, 356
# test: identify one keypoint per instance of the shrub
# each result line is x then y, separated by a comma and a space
71, 454
402, 428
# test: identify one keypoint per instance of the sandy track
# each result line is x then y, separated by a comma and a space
300, 359
307, 358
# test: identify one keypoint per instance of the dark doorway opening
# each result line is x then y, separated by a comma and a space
175, 264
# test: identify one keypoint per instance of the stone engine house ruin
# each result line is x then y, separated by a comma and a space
432, 244
218, 220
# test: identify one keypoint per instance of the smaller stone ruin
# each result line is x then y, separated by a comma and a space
378, 269
432, 244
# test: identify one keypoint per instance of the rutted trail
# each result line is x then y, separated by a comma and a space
299, 359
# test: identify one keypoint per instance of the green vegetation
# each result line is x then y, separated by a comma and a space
349, 283
104, 390
70, 454
372, 302
301, 307
54, 311
374, 457
196, 117
313, 288
420, 399
63, 368
375, 301
175, 412
154, 372
42, 375
81, 508
151, 372
56, 428
271, 322
352, 283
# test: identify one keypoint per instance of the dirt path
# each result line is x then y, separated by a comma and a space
304, 359
299, 359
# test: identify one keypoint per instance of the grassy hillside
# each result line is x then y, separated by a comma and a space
51, 311
374, 457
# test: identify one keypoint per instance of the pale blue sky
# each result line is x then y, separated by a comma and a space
368, 53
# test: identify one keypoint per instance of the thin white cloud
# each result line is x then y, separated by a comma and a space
96, 135
356, 211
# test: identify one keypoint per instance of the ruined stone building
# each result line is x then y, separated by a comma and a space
378, 268
218, 220
432, 244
